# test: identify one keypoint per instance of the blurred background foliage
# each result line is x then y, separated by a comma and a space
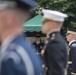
65, 6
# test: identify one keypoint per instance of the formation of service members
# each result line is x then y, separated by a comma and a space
17, 56
55, 54
38, 44
71, 38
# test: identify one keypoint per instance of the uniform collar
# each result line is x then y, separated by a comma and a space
37, 43
54, 32
71, 42
6, 43
8, 40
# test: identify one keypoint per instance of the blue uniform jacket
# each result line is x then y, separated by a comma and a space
73, 56
20, 58
55, 55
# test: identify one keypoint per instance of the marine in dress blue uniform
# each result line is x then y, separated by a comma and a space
55, 54
71, 38
17, 56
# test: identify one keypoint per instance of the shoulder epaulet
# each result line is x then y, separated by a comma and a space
14, 56
53, 37
73, 45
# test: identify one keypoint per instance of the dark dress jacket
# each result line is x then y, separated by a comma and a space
72, 57
38, 46
55, 55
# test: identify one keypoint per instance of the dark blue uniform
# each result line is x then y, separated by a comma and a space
69, 63
20, 59
72, 59
38, 46
55, 55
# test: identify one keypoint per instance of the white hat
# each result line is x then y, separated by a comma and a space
54, 15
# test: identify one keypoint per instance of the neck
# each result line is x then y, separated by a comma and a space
51, 31
71, 41
9, 32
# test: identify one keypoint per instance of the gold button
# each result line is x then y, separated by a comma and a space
46, 68
43, 65
53, 35
42, 52
69, 62
46, 42
47, 36
52, 38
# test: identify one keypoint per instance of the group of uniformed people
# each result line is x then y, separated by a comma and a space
71, 38
18, 56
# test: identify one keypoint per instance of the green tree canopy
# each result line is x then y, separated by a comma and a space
65, 6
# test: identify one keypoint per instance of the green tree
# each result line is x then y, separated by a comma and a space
66, 6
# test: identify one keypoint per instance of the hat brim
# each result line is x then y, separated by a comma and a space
71, 32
